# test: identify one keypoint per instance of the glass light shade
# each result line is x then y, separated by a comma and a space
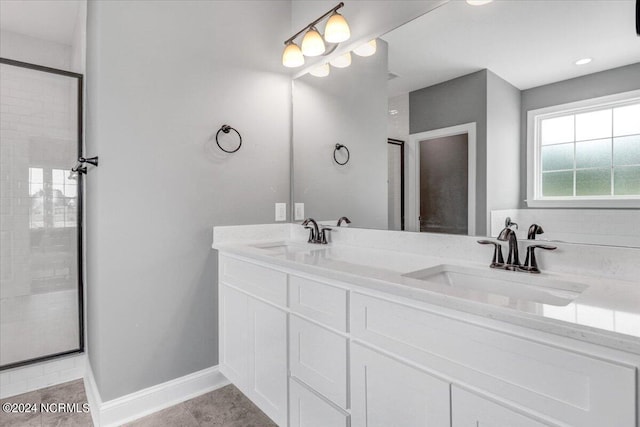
478, 2
366, 49
337, 29
320, 71
292, 56
312, 43
342, 61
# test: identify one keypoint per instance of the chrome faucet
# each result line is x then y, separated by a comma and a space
343, 219
316, 235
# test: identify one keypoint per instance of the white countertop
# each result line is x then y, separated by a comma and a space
607, 312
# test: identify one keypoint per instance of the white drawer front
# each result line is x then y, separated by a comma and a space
564, 385
319, 301
306, 409
470, 410
254, 279
319, 359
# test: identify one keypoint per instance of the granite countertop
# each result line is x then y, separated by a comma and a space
596, 310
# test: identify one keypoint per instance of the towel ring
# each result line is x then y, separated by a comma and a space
335, 150
227, 129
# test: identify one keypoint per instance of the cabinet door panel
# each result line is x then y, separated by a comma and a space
309, 410
388, 393
268, 353
233, 352
319, 359
471, 410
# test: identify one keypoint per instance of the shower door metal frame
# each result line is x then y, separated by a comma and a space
80, 83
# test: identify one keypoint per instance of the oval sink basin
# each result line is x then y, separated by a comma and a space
287, 248
517, 285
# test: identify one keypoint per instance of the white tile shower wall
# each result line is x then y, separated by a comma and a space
598, 226
22, 380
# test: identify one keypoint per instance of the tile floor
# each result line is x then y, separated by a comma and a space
225, 407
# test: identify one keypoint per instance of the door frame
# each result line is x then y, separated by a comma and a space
414, 150
80, 133
400, 143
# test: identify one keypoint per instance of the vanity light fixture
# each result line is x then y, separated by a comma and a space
313, 44
366, 49
320, 71
583, 61
342, 61
478, 2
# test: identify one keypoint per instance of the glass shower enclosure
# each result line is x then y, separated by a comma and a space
41, 301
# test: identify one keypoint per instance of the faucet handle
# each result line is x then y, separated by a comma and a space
533, 230
508, 223
497, 260
530, 262
323, 234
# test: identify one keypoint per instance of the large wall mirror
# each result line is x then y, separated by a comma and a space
470, 114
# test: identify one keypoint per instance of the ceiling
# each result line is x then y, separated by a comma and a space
53, 20
526, 42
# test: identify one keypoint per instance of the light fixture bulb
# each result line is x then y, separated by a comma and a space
583, 61
366, 49
478, 2
312, 43
292, 56
320, 71
342, 61
337, 29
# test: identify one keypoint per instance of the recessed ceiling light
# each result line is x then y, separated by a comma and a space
478, 2
393, 112
583, 61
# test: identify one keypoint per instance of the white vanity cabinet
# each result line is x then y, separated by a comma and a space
313, 352
253, 335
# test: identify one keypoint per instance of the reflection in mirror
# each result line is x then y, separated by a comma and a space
467, 115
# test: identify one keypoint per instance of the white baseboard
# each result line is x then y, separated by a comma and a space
149, 400
40, 375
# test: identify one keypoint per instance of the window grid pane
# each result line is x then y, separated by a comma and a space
604, 153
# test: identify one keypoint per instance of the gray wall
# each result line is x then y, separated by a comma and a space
503, 145
604, 83
349, 107
162, 77
452, 103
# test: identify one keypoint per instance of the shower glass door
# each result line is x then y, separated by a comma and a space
41, 313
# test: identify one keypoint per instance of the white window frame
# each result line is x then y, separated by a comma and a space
534, 176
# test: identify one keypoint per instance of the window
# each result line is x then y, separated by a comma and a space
586, 153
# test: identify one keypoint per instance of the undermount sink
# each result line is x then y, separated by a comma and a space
284, 248
516, 285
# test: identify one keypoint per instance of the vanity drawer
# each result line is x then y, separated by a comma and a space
318, 301
319, 359
307, 409
262, 282
564, 385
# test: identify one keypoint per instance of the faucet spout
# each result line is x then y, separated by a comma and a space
314, 235
513, 259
